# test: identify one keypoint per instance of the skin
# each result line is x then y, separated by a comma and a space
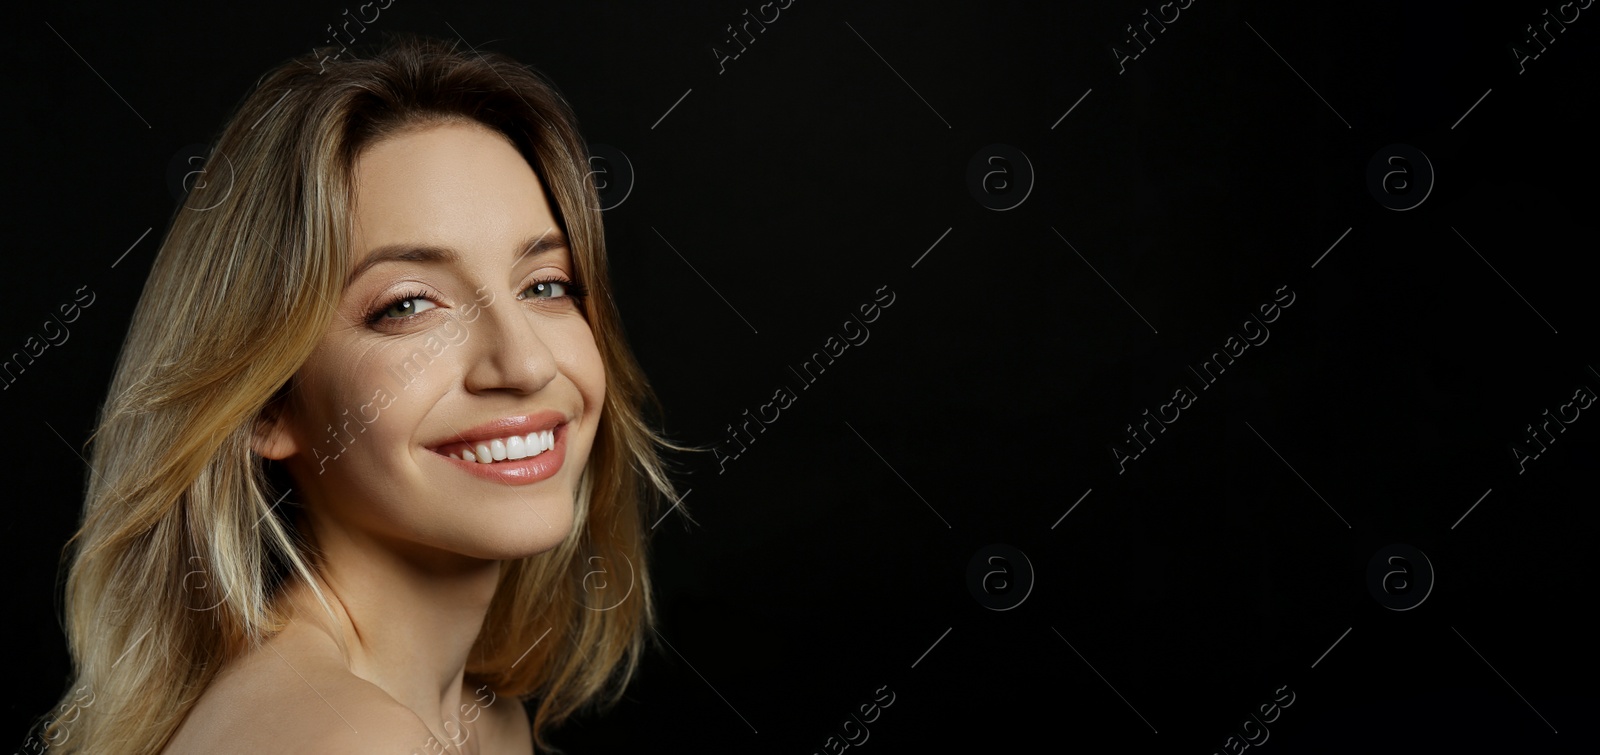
414, 547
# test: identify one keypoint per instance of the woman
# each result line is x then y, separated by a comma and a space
374, 466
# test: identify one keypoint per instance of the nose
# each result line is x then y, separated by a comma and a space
505, 349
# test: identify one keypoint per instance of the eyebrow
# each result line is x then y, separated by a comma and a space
406, 252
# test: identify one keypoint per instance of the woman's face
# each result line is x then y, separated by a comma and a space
456, 336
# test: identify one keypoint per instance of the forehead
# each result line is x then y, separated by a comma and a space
456, 184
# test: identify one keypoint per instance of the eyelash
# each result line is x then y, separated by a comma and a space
575, 291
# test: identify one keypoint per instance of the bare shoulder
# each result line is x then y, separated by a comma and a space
279, 698
503, 720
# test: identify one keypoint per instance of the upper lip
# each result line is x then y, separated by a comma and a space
520, 424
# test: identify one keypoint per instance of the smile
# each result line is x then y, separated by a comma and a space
511, 448
521, 457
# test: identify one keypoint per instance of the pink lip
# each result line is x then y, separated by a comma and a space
521, 424
522, 471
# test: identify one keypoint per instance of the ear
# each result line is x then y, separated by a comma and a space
271, 438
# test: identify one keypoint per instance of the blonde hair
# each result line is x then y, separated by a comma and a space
170, 574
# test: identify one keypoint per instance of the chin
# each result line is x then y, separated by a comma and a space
529, 531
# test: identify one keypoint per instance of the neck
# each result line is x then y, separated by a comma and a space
407, 619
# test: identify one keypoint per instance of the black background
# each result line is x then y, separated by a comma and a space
831, 558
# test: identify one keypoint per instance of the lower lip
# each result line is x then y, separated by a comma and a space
522, 471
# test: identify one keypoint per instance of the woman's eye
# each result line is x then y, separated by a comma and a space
403, 308
553, 289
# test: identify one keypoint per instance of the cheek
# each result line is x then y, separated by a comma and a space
580, 361
370, 394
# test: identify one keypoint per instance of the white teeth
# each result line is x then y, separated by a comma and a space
509, 448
